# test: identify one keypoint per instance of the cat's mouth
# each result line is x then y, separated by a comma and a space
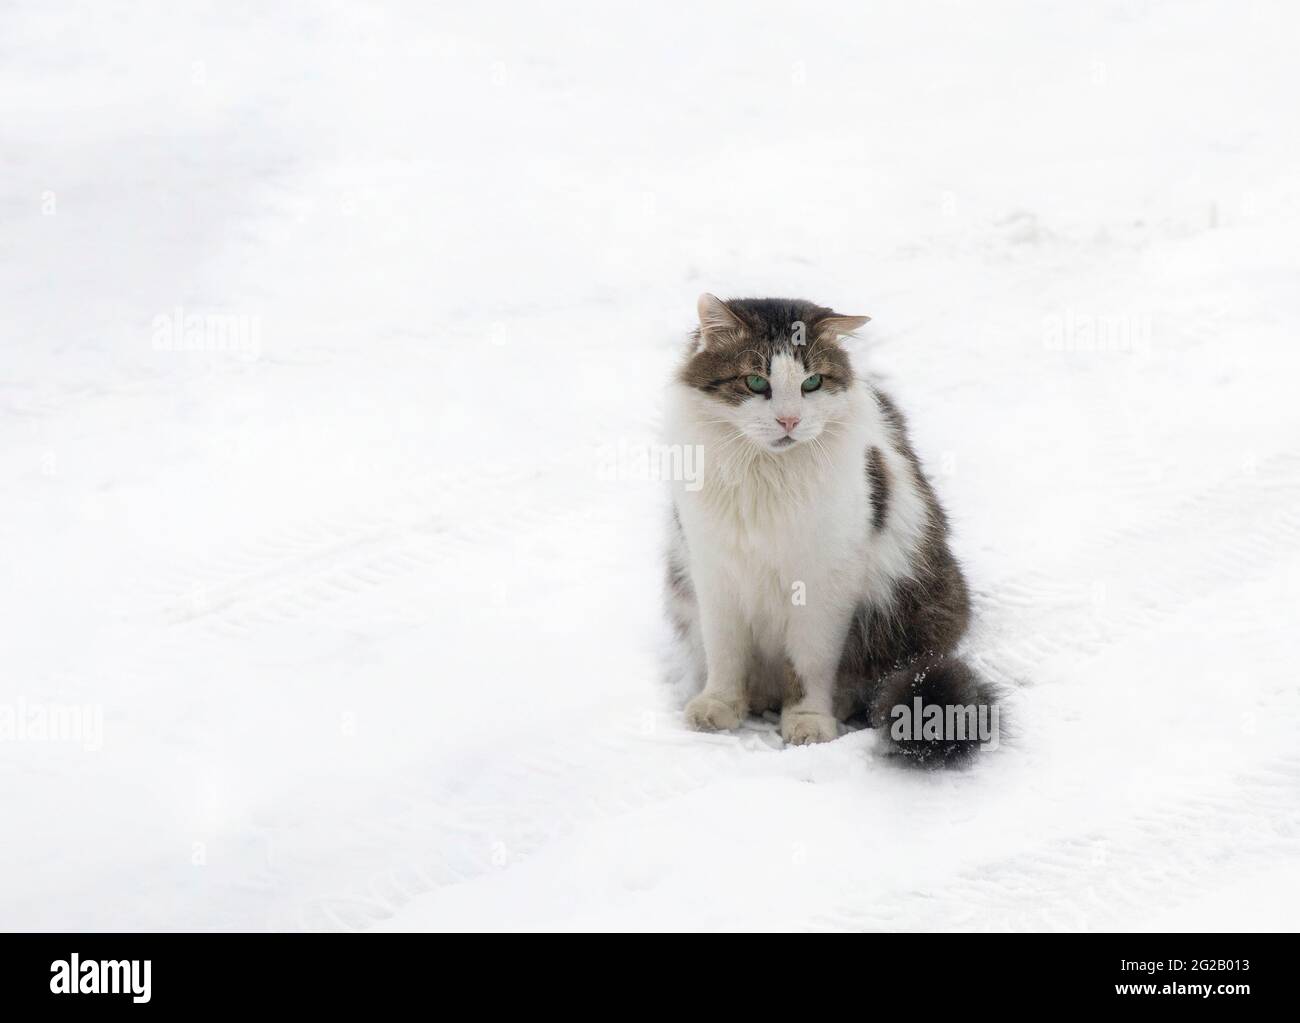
783, 442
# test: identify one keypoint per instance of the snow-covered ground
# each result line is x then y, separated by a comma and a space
362, 596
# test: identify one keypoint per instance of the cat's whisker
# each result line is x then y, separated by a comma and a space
822, 454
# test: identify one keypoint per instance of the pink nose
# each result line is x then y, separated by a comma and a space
789, 422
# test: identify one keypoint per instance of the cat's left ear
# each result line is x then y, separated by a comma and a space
715, 316
842, 326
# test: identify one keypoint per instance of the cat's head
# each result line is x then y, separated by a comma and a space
772, 368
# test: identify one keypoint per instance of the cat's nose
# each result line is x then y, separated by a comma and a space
789, 422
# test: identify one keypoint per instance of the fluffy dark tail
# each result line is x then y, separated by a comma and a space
967, 716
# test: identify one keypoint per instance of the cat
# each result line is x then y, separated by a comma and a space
808, 567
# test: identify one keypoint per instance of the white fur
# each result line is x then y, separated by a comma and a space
768, 523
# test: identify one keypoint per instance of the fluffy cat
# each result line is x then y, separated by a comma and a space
808, 566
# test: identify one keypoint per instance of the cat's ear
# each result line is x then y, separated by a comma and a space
841, 326
715, 317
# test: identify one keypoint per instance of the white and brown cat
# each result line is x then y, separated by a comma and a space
808, 566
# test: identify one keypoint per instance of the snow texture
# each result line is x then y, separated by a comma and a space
361, 575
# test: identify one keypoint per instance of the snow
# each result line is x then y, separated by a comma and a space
372, 628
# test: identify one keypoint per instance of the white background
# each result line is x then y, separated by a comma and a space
374, 629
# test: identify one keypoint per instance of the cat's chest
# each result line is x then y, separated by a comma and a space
782, 525
778, 556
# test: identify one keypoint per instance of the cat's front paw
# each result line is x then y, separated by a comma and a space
801, 728
707, 713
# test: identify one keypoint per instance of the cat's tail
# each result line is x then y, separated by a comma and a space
937, 712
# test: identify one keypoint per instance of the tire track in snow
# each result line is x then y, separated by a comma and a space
1096, 880
1239, 527
283, 578
442, 843
305, 566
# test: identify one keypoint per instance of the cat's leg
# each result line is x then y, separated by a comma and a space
727, 654
687, 665
814, 643
807, 715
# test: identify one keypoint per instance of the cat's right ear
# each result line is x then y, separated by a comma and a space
715, 317
842, 326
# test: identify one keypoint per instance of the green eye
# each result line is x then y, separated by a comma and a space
756, 384
812, 383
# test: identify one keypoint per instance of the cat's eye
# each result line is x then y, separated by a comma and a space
757, 384
812, 383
